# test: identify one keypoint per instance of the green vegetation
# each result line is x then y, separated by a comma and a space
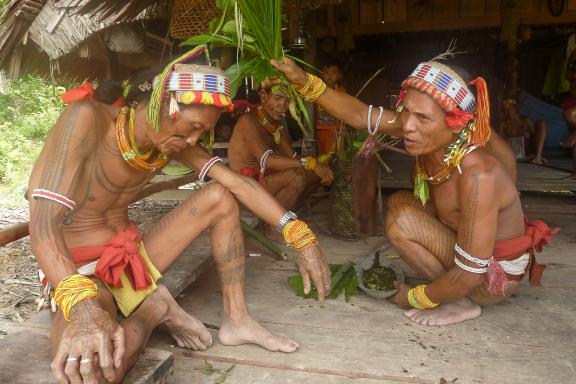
27, 112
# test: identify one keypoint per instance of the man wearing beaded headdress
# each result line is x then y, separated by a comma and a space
95, 162
260, 148
471, 240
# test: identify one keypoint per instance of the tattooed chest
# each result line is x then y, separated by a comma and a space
109, 183
445, 198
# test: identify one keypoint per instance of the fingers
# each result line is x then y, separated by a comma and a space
305, 279
119, 344
87, 367
104, 361
58, 364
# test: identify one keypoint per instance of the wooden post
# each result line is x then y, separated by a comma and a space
364, 184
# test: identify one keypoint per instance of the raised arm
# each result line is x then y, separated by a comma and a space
338, 104
91, 330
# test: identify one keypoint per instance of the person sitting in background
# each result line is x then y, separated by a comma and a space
260, 148
526, 137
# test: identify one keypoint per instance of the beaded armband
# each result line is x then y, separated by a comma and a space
53, 196
289, 215
483, 264
299, 236
308, 163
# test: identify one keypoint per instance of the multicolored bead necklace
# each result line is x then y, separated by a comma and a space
128, 147
274, 129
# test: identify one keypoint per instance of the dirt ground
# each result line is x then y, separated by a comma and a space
20, 291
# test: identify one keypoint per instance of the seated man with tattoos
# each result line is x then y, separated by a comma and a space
260, 148
471, 240
93, 165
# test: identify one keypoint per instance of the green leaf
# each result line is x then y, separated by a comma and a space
220, 379
229, 27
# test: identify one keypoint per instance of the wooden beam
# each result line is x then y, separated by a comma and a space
488, 21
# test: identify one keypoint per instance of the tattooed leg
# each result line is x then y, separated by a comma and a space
228, 246
427, 246
215, 208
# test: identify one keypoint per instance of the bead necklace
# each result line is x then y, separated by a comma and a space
128, 147
440, 177
274, 129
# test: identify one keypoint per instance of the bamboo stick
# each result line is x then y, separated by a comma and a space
264, 241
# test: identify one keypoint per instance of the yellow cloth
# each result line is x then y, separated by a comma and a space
126, 297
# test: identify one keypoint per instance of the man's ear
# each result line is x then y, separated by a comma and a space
263, 95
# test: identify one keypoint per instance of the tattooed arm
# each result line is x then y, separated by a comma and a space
91, 330
338, 104
479, 200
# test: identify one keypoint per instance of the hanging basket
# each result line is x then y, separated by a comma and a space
191, 17
341, 209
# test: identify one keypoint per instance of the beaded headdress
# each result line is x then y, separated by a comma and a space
188, 84
448, 89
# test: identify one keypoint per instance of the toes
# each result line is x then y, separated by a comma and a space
199, 344
410, 313
206, 338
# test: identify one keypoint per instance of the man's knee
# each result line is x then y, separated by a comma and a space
220, 199
400, 197
296, 179
396, 222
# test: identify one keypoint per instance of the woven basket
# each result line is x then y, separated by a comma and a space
191, 17
341, 213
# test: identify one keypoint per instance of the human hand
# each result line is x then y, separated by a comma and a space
313, 263
91, 342
295, 75
401, 297
325, 173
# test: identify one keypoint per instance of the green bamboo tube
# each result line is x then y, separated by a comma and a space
264, 241
338, 275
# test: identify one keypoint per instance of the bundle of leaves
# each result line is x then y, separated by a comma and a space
254, 28
343, 279
28, 111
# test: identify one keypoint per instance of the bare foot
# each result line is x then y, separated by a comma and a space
539, 161
445, 314
187, 331
249, 331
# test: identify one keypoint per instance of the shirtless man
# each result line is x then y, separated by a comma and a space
260, 148
93, 165
474, 212
526, 137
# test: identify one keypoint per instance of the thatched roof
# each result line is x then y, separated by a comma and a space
57, 27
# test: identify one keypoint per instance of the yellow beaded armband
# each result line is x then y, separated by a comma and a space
418, 299
73, 290
313, 89
298, 235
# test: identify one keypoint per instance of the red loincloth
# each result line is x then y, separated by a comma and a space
120, 254
254, 173
536, 235
568, 102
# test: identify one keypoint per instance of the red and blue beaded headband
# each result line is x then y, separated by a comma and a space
446, 83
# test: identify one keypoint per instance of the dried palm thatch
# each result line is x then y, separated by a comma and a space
15, 19
59, 27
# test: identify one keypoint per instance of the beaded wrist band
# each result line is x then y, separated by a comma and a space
313, 89
308, 163
206, 168
72, 290
299, 236
418, 299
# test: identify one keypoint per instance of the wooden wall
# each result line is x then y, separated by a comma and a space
369, 17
